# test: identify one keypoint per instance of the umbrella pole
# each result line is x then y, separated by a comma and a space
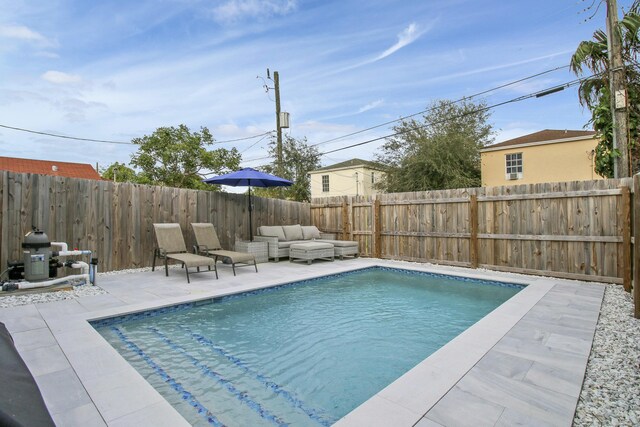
250, 225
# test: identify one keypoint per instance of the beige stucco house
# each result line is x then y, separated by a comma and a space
545, 156
355, 177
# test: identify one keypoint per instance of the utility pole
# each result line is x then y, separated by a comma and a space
617, 86
282, 118
276, 88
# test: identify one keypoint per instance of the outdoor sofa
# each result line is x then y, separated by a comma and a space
280, 238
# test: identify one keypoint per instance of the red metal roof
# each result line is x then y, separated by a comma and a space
48, 167
544, 136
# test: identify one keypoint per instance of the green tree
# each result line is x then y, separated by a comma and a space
595, 94
298, 158
119, 172
439, 151
177, 157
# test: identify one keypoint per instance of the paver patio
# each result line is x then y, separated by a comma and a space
523, 363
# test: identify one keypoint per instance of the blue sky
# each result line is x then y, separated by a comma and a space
115, 69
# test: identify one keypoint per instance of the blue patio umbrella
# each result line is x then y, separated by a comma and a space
249, 177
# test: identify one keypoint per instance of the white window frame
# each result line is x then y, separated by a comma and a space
514, 166
325, 183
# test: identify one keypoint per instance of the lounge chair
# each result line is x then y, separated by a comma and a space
171, 246
207, 243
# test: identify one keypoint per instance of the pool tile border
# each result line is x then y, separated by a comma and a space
145, 314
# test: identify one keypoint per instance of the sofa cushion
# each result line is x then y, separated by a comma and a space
311, 246
285, 244
310, 232
272, 230
292, 232
341, 243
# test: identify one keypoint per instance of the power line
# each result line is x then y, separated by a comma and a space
479, 110
243, 139
454, 102
255, 143
517, 99
538, 94
64, 136
117, 142
270, 132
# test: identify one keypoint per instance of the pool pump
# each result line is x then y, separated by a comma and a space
39, 265
36, 256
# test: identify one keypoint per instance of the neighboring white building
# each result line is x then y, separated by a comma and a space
355, 177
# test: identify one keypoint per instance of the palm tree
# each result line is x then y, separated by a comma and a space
594, 92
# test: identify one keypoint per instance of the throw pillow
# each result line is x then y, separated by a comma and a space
292, 232
272, 231
310, 232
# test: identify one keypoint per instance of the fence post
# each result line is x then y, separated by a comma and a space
473, 242
376, 238
625, 217
345, 219
636, 246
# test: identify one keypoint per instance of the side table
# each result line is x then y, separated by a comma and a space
259, 249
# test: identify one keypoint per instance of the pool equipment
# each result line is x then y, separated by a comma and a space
39, 265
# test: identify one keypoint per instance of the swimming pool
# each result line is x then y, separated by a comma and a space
303, 354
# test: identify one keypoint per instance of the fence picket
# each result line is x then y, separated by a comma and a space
571, 229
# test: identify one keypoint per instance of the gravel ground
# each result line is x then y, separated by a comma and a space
611, 391
78, 291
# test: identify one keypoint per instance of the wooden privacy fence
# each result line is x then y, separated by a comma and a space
574, 230
115, 221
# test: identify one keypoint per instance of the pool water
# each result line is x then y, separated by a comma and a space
299, 355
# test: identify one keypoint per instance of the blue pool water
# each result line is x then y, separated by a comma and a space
302, 354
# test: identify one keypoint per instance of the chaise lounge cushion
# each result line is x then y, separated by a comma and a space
292, 232
272, 230
191, 260
208, 243
310, 232
340, 243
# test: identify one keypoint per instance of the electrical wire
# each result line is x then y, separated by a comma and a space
456, 101
64, 136
323, 142
479, 110
255, 143
245, 138
117, 142
486, 108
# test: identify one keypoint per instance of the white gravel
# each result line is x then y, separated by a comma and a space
78, 291
611, 390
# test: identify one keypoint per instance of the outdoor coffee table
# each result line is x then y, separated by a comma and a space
311, 250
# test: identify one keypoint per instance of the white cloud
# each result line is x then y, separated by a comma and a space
371, 106
497, 67
234, 10
60, 78
405, 38
21, 32
409, 35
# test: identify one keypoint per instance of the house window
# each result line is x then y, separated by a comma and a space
325, 183
514, 166
373, 177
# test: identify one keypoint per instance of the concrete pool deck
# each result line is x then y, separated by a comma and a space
522, 364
